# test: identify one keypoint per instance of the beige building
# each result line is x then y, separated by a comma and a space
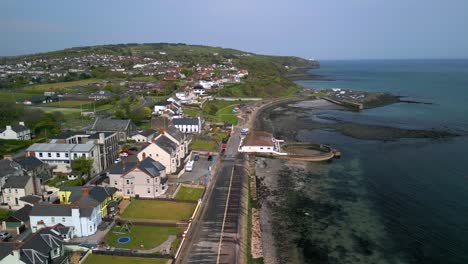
17, 187
163, 150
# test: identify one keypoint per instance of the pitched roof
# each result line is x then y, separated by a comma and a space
51, 210
17, 182
185, 121
18, 128
122, 167
37, 248
30, 163
6, 249
32, 199
110, 124
166, 144
96, 194
147, 132
8, 167
22, 214
175, 133
151, 167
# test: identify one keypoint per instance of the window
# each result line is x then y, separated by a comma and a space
90, 228
57, 155
9, 190
49, 155
157, 155
156, 190
148, 190
128, 181
115, 182
40, 154
16, 190
63, 219
74, 155
66, 155
128, 191
52, 219
147, 180
8, 199
83, 155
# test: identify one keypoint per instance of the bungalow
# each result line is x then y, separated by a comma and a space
163, 150
47, 245
260, 142
18, 132
188, 125
143, 179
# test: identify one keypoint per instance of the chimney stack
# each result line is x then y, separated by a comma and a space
8, 127
101, 138
21, 123
85, 190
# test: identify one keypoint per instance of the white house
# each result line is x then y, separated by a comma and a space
19, 132
199, 90
81, 208
146, 135
163, 150
188, 125
145, 179
60, 155
260, 142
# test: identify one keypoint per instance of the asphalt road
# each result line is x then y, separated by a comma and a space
213, 238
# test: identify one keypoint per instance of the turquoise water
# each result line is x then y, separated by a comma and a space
415, 191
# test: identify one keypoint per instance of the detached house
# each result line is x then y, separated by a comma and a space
81, 208
144, 179
18, 132
47, 245
163, 150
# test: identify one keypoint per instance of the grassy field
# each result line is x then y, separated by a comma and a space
226, 115
8, 146
148, 236
162, 210
58, 86
189, 193
59, 109
18, 95
206, 145
70, 103
100, 259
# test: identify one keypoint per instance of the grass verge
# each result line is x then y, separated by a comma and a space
189, 193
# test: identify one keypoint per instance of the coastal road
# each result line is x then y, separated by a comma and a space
213, 238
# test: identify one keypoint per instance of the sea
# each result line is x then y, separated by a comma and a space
403, 201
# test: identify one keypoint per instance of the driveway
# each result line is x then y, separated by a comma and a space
197, 175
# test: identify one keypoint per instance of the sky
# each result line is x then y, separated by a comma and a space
320, 29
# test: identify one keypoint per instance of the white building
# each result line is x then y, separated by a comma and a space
260, 142
19, 132
188, 125
61, 155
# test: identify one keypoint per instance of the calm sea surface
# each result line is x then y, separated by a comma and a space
414, 191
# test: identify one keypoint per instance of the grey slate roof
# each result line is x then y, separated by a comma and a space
66, 134
147, 132
19, 128
6, 249
51, 210
175, 133
38, 247
151, 167
185, 121
97, 194
32, 199
30, 163
8, 167
122, 167
166, 144
110, 124
17, 182
96, 135
22, 214
57, 147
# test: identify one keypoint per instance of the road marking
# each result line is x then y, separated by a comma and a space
224, 218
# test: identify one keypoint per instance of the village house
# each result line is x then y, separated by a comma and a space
188, 125
146, 135
18, 132
8, 169
47, 245
80, 207
34, 167
163, 150
17, 187
181, 139
145, 179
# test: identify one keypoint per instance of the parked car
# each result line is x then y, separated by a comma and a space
118, 160
210, 158
196, 158
123, 154
189, 166
5, 236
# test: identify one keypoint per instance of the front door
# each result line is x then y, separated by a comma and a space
16, 201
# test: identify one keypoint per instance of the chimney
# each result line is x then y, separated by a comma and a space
34, 179
85, 190
21, 123
8, 127
8, 157
101, 138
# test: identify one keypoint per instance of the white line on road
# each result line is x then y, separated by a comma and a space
224, 218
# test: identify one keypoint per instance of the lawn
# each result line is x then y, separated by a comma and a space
206, 145
189, 193
58, 109
161, 210
149, 236
58, 86
17, 96
4, 214
70, 103
226, 115
100, 259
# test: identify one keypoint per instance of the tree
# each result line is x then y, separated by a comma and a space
82, 165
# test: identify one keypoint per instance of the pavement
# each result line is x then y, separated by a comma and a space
213, 238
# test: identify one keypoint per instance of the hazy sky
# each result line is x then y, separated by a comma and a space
322, 29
